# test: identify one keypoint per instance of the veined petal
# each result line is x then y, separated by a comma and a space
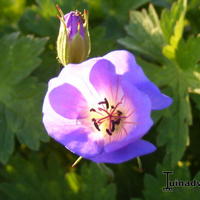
74, 135
68, 101
125, 64
78, 75
132, 150
105, 81
103, 77
138, 122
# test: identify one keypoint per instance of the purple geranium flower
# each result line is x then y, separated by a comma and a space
101, 108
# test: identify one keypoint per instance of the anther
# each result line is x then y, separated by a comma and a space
101, 102
119, 113
113, 126
118, 121
113, 116
96, 125
106, 102
109, 133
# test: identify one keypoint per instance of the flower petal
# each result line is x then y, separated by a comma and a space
141, 106
67, 101
78, 76
72, 21
74, 137
125, 64
104, 78
132, 150
71, 133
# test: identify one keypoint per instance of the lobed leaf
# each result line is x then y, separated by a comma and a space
21, 96
187, 54
144, 34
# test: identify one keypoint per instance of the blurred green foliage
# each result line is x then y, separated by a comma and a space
33, 178
164, 36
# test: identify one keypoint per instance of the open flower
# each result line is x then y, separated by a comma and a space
101, 108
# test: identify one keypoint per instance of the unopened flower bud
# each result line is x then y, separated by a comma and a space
73, 42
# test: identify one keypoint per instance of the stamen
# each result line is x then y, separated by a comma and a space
101, 102
109, 133
107, 104
101, 109
93, 110
102, 119
119, 112
113, 126
96, 125
111, 117
117, 122
104, 102
115, 107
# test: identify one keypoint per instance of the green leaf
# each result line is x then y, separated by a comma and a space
145, 34
27, 105
94, 186
182, 76
21, 96
187, 54
47, 176
32, 23
47, 8
196, 99
163, 3
6, 136
99, 36
169, 18
173, 129
193, 16
34, 180
174, 126
19, 57
172, 23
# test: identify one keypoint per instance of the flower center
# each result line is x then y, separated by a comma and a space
107, 118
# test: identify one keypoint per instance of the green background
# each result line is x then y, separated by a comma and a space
164, 37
